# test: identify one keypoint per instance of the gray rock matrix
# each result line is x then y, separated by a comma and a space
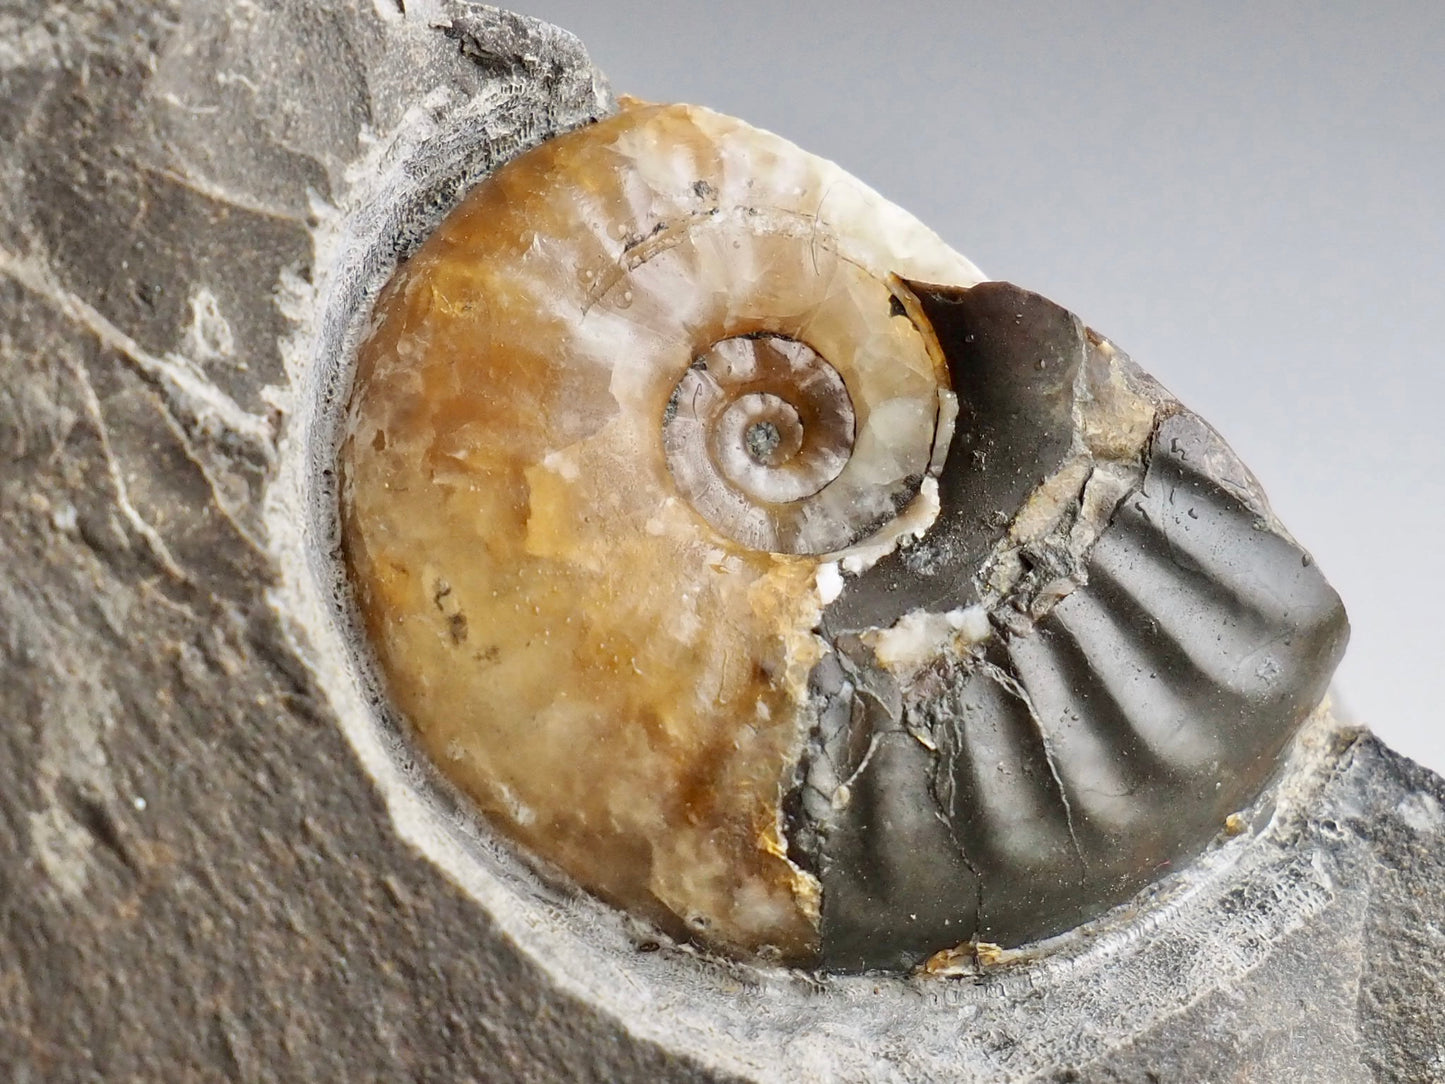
217, 861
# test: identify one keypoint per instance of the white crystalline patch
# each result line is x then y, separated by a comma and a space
895, 431
912, 523
830, 582
1421, 812
919, 637
562, 463
521, 812
684, 624
973, 626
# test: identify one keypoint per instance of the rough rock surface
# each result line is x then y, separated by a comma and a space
215, 863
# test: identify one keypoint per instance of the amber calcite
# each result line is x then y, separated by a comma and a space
617, 678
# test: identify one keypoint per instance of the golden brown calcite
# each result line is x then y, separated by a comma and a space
620, 685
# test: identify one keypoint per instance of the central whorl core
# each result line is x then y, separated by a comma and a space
757, 426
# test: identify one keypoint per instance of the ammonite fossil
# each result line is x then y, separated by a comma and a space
747, 556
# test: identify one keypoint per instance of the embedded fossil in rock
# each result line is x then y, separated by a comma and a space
744, 554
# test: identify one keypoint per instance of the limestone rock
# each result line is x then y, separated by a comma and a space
218, 864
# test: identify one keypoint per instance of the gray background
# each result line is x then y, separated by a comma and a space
1248, 198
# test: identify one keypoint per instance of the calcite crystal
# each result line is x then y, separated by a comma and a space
582, 617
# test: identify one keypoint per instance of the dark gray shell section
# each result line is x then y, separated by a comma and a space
1080, 752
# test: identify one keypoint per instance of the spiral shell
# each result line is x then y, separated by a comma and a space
748, 558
